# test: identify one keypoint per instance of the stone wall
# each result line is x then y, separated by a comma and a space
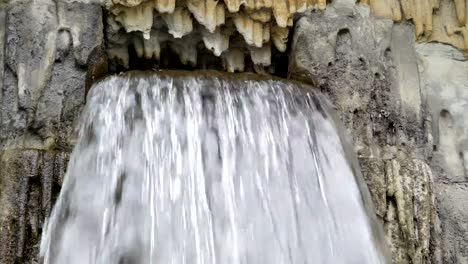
47, 53
444, 74
368, 68
404, 104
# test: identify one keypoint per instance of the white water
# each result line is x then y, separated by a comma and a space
208, 170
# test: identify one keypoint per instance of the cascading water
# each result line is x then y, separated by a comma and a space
175, 168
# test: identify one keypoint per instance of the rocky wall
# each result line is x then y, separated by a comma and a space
49, 51
404, 105
368, 68
443, 21
444, 74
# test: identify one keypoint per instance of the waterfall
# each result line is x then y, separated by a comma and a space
204, 168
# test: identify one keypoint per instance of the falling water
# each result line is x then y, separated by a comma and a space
176, 168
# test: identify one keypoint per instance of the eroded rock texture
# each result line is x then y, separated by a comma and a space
444, 71
30, 181
49, 51
252, 28
406, 109
368, 67
443, 21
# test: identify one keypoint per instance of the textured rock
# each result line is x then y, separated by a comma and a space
179, 22
258, 22
369, 69
233, 60
52, 51
2, 44
444, 71
405, 109
30, 181
435, 20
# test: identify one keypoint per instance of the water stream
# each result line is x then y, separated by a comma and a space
178, 168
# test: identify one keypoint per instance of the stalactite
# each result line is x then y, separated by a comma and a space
434, 20
260, 23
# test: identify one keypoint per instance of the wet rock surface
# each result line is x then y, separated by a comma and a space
444, 72
404, 106
46, 53
368, 68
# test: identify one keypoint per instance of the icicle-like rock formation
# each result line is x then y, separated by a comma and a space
263, 24
434, 20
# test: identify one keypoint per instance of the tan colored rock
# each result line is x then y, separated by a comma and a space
217, 42
261, 23
129, 3
209, 13
279, 36
138, 18
179, 22
261, 56
251, 30
434, 20
149, 48
233, 6
233, 60
164, 6
262, 15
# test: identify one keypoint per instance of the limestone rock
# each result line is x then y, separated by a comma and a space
435, 20
217, 41
257, 21
261, 56
30, 181
127, 2
138, 18
185, 49
119, 53
363, 64
164, 6
251, 30
279, 37
444, 73
233, 60
47, 48
179, 22
209, 13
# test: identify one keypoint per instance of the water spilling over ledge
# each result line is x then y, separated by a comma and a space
199, 168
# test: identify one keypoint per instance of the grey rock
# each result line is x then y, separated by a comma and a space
404, 105
2, 45
369, 69
444, 72
47, 48
30, 181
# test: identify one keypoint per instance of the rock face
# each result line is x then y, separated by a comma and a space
48, 53
444, 72
369, 69
403, 103
252, 28
443, 21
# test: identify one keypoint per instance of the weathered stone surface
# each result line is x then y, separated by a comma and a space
444, 72
46, 58
222, 23
405, 109
369, 69
435, 20
2, 43
30, 181
49, 50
